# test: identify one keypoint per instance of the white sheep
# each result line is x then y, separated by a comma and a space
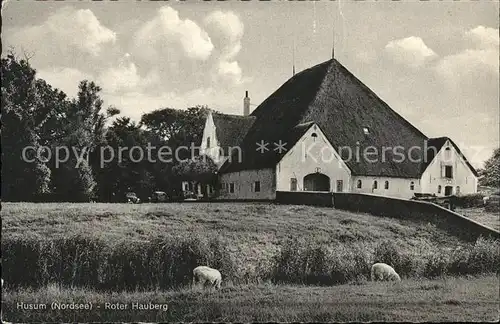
384, 272
206, 274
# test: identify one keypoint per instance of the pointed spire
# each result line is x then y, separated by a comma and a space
333, 40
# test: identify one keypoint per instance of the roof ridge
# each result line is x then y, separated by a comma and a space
370, 91
231, 115
291, 80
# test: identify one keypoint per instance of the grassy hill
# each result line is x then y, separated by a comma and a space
250, 228
248, 241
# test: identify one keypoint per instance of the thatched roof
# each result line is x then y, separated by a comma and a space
342, 106
231, 129
434, 146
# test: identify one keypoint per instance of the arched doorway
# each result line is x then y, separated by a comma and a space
316, 182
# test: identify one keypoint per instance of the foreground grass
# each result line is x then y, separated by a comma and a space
448, 299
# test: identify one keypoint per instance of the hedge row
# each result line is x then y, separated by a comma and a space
166, 263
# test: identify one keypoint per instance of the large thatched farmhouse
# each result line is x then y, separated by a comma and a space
324, 130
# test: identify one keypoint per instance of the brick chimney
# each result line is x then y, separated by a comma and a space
246, 105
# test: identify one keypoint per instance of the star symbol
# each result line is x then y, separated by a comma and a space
280, 146
262, 146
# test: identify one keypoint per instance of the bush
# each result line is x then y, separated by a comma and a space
437, 265
309, 262
85, 261
387, 252
482, 258
350, 263
469, 201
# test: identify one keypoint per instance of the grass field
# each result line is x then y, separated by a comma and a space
448, 299
85, 245
252, 228
478, 214
254, 232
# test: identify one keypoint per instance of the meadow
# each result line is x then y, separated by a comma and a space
267, 253
441, 300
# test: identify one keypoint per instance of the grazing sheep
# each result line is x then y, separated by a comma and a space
206, 274
384, 272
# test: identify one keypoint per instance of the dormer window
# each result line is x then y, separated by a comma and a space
366, 130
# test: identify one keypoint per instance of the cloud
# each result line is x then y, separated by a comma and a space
469, 64
226, 30
474, 66
64, 78
411, 51
125, 77
135, 104
230, 70
485, 37
66, 30
167, 33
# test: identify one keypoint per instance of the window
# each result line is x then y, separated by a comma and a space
222, 185
439, 189
359, 184
448, 171
386, 185
458, 191
447, 154
375, 184
256, 186
208, 142
231, 187
293, 184
412, 185
340, 185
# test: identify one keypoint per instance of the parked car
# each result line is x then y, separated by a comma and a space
159, 196
132, 198
188, 194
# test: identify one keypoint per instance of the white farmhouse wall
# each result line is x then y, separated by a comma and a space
244, 184
398, 187
310, 155
433, 177
214, 150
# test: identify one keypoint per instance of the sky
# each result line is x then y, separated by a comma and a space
436, 63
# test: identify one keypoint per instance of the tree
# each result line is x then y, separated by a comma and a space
82, 132
23, 114
125, 173
177, 127
199, 170
490, 174
174, 128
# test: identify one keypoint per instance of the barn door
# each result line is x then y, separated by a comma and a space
316, 182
